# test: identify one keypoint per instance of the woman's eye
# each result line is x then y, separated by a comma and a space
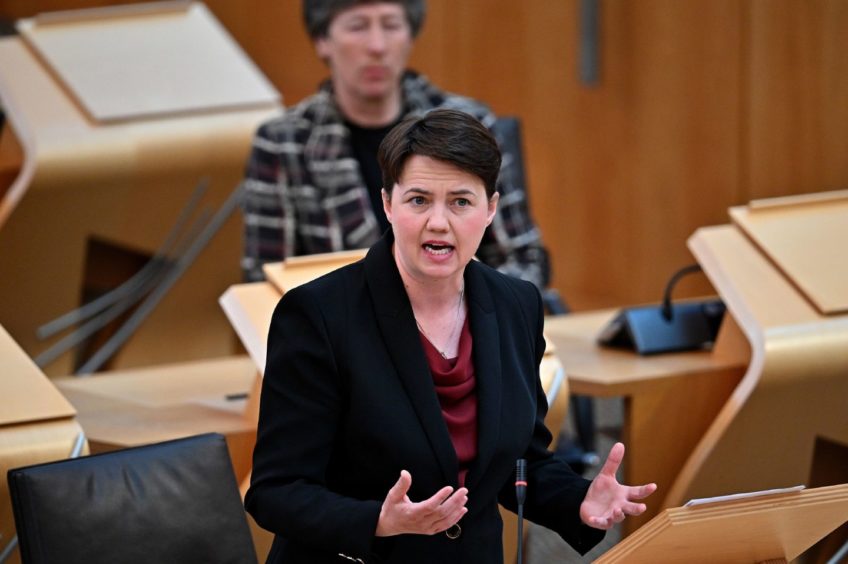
393, 25
357, 25
462, 202
417, 200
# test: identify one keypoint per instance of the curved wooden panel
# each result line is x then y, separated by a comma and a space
120, 184
793, 391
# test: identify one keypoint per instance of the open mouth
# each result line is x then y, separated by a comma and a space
437, 249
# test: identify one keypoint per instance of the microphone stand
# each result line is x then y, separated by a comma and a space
520, 495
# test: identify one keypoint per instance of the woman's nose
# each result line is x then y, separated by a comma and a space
377, 39
438, 221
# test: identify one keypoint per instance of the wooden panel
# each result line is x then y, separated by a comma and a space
795, 386
776, 528
295, 271
164, 58
798, 134
27, 395
124, 184
687, 388
619, 174
805, 238
701, 105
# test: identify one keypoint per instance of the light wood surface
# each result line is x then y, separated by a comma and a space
158, 59
804, 236
295, 271
773, 528
249, 308
120, 185
796, 134
136, 407
37, 424
793, 390
701, 105
669, 400
26, 395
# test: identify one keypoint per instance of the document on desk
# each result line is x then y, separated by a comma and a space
746, 495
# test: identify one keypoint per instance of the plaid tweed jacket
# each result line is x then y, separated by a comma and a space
303, 191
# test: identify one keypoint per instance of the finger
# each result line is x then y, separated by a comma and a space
633, 508
432, 503
641, 492
448, 512
613, 461
460, 493
449, 520
599, 523
450, 509
398, 492
617, 515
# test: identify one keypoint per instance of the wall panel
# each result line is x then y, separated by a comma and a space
702, 104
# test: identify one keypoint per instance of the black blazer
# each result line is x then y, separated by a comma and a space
348, 402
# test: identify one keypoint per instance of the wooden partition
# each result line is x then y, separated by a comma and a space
699, 105
37, 424
92, 198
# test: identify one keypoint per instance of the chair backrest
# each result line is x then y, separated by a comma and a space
176, 501
507, 130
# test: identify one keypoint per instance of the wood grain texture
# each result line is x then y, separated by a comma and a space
793, 389
769, 529
701, 105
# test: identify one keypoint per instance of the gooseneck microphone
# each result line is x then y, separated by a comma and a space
520, 495
666, 309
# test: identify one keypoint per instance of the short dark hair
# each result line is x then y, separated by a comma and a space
451, 136
318, 14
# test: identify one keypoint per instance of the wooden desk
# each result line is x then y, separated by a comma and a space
82, 185
37, 425
136, 407
669, 400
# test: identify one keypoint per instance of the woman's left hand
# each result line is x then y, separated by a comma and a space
607, 502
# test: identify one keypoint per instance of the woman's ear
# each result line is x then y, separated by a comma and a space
322, 49
493, 208
387, 204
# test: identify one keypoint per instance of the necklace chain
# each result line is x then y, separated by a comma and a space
453, 331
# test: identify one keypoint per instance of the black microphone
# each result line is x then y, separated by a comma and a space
666, 310
520, 495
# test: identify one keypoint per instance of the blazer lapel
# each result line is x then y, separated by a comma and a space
487, 369
397, 326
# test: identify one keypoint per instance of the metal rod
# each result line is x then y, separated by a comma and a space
130, 286
103, 318
7, 552
149, 304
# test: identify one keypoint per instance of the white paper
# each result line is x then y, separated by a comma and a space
731, 497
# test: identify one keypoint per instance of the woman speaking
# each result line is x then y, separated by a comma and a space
399, 391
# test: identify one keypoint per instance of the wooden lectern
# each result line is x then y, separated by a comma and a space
773, 529
37, 424
113, 116
766, 406
782, 271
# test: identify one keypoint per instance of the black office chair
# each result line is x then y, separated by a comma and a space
578, 451
176, 501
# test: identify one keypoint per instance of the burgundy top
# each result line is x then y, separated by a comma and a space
456, 388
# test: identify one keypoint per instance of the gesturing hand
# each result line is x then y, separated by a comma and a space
607, 502
399, 515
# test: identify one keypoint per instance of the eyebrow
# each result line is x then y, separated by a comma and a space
457, 192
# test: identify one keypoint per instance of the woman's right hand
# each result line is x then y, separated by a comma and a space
399, 515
